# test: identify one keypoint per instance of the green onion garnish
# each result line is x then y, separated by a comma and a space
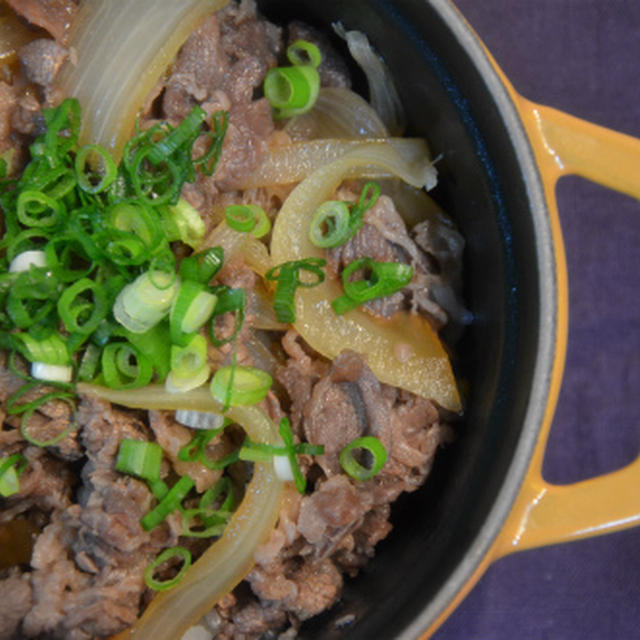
240, 386
366, 445
248, 218
83, 306
190, 309
334, 223
380, 279
229, 301
91, 181
202, 266
169, 503
259, 452
294, 90
168, 554
10, 470
287, 277
140, 459
189, 368
124, 366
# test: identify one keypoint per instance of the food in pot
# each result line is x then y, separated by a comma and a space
220, 356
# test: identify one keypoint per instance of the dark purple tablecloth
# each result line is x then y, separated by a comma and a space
582, 56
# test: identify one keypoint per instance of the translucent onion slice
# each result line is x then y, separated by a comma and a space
404, 350
119, 51
295, 162
337, 113
234, 243
382, 92
228, 560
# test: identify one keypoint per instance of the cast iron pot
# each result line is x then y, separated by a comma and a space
500, 159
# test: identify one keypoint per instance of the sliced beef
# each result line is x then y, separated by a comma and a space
41, 59
345, 404
55, 16
7, 107
15, 601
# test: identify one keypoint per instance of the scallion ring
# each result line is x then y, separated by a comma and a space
78, 312
248, 218
190, 309
247, 386
330, 224
369, 445
303, 52
26, 415
139, 458
168, 554
95, 169
124, 366
291, 90
36, 209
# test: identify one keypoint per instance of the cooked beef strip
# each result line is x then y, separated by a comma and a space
15, 601
40, 60
53, 15
7, 106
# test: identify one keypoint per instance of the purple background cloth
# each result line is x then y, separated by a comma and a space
581, 56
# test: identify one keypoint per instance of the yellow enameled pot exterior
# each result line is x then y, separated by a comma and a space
543, 513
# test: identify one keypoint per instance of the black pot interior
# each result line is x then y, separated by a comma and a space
481, 186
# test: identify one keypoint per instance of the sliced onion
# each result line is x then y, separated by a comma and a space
233, 242
424, 367
337, 113
295, 162
119, 50
227, 561
382, 92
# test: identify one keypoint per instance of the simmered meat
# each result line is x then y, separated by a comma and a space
53, 15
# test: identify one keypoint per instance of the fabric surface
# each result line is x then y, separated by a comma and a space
580, 56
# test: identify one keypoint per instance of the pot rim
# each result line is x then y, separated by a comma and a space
541, 399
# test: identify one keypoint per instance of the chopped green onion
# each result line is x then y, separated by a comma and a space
139, 219
199, 419
380, 279
26, 415
302, 52
124, 366
77, 312
288, 280
243, 386
26, 259
190, 309
333, 223
51, 372
330, 224
146, 301
168, 504
140, 459
213, 523
168, 554
189, 368
208, 161
289, 470
10, 470
229, 301
248, 218
93, 155
291, 91
368, 445
50, 350
201, 267
36, 209
183, 135
184, 223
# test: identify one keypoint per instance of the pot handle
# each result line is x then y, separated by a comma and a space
543, 513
